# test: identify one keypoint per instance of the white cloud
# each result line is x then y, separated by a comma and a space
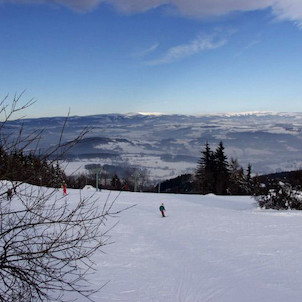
289, 10
198, 8
247, 47
200, 44
283, 9
147, 51
78, 5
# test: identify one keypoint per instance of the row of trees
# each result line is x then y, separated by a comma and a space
27, 166
215, 174
133, 179
15, 165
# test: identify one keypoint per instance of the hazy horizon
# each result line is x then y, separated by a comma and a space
233, 113
25, 116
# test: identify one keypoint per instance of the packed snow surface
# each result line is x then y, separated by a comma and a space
208, 248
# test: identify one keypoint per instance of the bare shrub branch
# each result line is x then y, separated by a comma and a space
47, 240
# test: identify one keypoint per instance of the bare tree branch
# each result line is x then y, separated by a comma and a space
47, 241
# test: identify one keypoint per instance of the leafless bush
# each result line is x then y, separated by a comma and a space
47, 240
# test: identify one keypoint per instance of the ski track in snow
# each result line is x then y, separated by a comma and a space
209, 249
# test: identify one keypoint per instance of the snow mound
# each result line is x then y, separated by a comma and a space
88, 187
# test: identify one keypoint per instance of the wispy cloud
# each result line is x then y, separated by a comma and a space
198, 45
147, 51
282, 9
198, 8
247, 47
77, 5
289, 10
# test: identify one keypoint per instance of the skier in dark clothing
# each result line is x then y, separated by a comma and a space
162, 209
9, 194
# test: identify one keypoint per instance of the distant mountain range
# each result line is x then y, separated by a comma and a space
169, 145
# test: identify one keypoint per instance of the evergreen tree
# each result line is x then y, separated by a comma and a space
214, 174
240, 183
248, 185
249, 172
204, 162
205, 171
236, 177
221, 170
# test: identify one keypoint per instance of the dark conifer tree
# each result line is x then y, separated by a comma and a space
222, 174
248, 185
206, 171
222, 164
249, 172
214, 174
236, 177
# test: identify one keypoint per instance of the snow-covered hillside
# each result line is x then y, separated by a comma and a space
209, 248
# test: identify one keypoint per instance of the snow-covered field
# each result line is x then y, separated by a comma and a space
209, 248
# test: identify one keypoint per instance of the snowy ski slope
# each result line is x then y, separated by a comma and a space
209, 248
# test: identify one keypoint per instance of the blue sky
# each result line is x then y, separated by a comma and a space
170, 56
